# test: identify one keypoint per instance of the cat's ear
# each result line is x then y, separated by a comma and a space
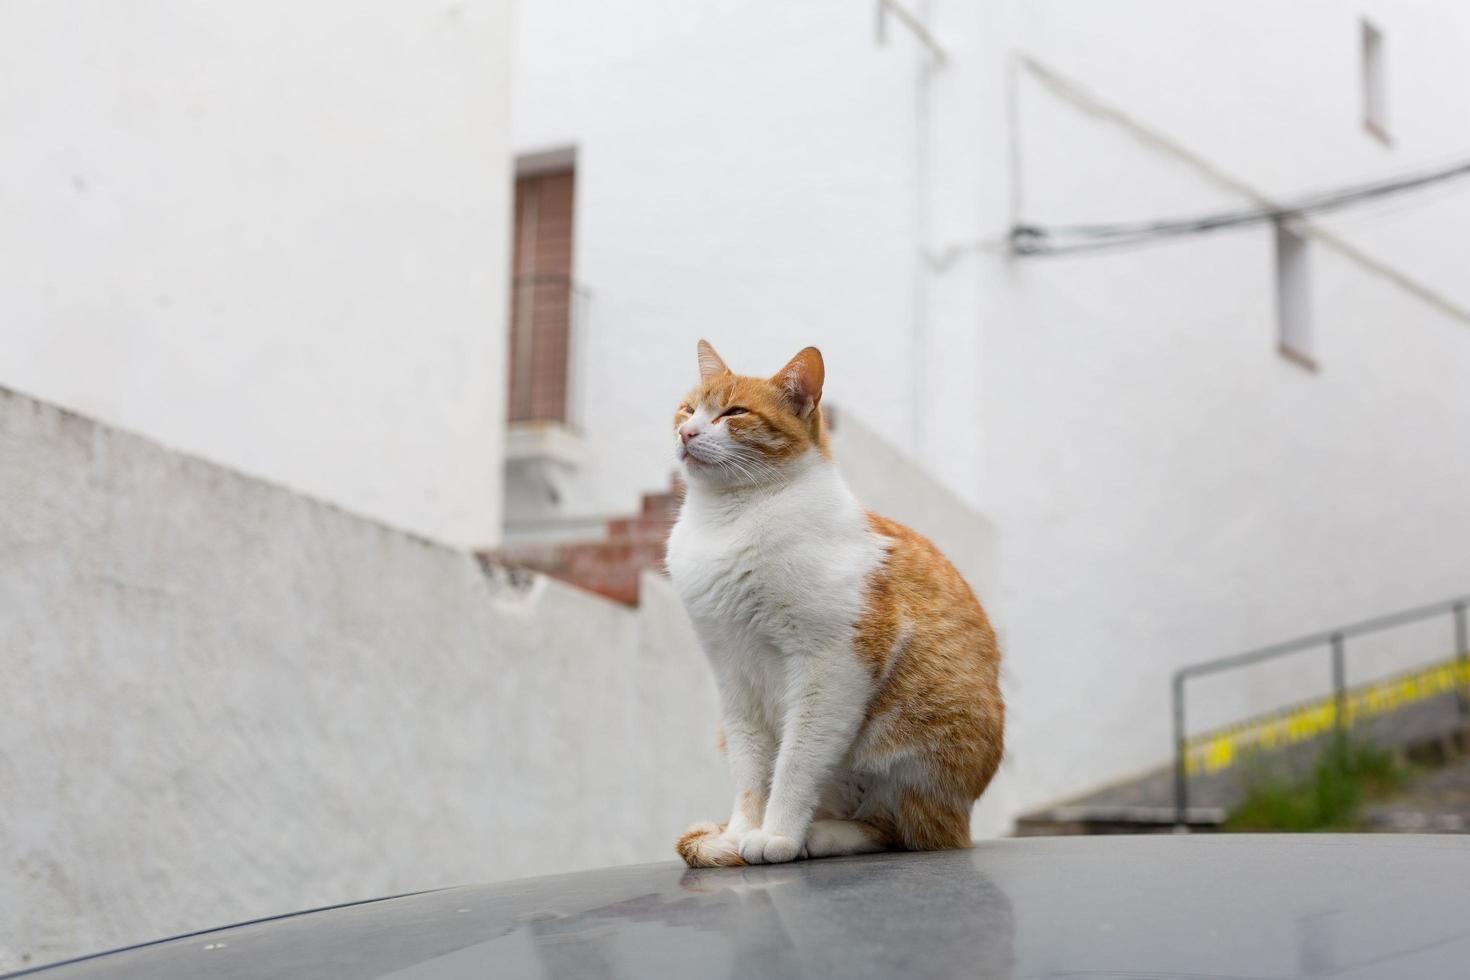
800, 381
710, 363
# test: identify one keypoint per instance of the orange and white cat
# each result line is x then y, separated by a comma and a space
858, 674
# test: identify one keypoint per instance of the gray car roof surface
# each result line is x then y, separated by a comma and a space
1096, 907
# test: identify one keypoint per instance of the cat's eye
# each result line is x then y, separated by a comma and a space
687, 409
734, 410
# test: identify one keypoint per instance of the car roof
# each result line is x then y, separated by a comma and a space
1349, 906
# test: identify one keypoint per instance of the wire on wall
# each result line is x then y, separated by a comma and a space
1027, 239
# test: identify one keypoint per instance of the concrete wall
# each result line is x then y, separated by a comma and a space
223, 700
272, 234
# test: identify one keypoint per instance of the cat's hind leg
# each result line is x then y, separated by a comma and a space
705, 846
924, 822
835, 838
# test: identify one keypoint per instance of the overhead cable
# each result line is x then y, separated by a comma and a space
1028, 239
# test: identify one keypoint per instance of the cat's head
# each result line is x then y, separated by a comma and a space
733, 430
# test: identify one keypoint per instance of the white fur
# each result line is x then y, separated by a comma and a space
772, 565
830, 838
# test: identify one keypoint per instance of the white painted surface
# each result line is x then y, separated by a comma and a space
223, 701
270, 233
1163, 485
738, 179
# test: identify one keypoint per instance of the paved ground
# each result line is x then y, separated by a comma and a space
1147, 802
1436, 802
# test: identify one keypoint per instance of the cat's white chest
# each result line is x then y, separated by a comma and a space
785, 571
739, 575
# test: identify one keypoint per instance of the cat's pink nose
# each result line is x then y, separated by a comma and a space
687, 432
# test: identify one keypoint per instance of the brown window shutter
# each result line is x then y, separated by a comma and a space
541, 298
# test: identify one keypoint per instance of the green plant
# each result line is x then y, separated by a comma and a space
1330, 798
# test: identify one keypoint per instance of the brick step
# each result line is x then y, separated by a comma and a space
666, 504
598, 556
640, 528
611, 566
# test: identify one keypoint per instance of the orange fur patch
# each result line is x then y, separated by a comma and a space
931, 648
698, 848
752, 806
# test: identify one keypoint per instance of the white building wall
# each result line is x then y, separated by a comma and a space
225, 701
743, 174
1271, 94
271, 233
1164, 486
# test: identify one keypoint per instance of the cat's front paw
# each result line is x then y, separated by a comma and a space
759, 847
706, 845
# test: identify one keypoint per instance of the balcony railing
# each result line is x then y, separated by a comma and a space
1333, 642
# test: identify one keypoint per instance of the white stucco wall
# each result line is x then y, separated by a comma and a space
744, 173
767, 176
1167, 488
273, 234
1163, 486
224, 700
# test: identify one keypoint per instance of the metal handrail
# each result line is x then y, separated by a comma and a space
1335, 641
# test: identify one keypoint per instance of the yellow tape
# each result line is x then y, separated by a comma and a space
1222, 748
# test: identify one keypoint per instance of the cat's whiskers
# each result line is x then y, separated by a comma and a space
752, 470
762, 472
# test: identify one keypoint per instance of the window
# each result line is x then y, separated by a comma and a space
542, 295
1293, 297
1375, 88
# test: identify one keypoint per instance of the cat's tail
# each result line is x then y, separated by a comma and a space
705, 846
